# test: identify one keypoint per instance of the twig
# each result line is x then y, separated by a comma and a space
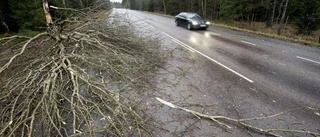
68, 82
21, 52
241, 121
70, 9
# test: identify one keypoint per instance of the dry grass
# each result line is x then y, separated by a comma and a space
289, 34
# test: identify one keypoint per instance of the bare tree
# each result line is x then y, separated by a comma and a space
204, 8
164, 6
282, 21
271, 16
280, 11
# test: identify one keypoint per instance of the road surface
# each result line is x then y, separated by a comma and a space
263, 74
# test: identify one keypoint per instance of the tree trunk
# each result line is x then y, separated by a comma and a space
3, 22
4, 8
164, 6
81, 4
271, 17
218, 10
192, 8
46, 12
279, 12
64, 3
283, 17
199, 7
285, 25
204, 8
252, 21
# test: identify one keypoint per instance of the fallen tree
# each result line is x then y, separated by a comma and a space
67, 81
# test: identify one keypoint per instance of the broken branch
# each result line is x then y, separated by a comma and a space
216, 119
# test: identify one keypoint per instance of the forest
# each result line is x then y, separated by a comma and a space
304, 14
17, 15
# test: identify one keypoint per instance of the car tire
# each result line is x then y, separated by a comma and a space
189, 26
177, 23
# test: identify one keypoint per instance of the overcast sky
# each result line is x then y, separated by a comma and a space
116, 0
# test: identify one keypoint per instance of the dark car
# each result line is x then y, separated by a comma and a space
191, 20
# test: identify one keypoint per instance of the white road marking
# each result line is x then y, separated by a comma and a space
248, 43
168, 35
308, 60
251, 81
183, 45
282, 64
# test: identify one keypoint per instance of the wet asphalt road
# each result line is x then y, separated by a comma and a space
283, 68
254, 75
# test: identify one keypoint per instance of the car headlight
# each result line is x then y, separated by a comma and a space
194, 23
208, 23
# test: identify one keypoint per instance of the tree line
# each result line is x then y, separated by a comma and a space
16, 15
305, 14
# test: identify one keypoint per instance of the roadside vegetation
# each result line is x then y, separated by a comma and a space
291, 20
259, 29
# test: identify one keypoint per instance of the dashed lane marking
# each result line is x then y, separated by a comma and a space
248, 43
194, 50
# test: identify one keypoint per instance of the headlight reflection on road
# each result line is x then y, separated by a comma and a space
202, 40
207, 34
199, 40
193, 40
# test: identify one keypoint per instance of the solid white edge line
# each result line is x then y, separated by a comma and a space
187, 46
251, 81
225, 67
308, 60
248, 43
168, 35
182, 44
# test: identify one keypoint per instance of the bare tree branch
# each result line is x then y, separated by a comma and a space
68, 82
241, 121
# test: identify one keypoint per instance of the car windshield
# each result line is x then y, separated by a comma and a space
193, 16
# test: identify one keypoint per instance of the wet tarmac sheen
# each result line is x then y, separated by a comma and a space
286, 76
